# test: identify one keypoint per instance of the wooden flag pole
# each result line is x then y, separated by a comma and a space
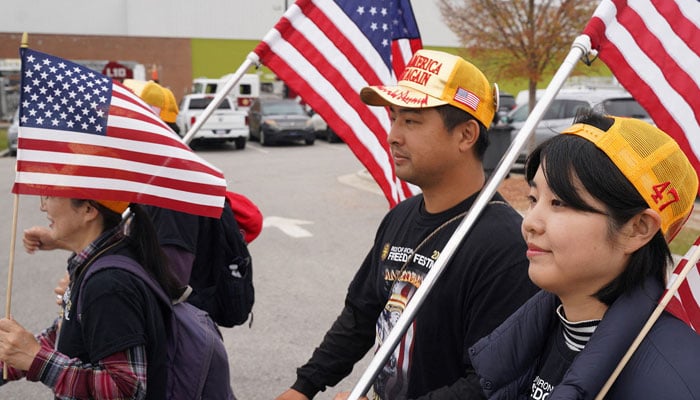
13, 241
10, 269
694, 257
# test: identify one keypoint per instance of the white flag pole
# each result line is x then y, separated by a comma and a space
580, 47
251, 59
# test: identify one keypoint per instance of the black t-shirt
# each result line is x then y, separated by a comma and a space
485, 281
118, 312
555, 361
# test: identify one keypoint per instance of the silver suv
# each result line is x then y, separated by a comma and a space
564, 107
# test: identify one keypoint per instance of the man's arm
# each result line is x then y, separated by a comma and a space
348, 340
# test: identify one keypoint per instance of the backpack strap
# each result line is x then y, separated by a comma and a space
127, 264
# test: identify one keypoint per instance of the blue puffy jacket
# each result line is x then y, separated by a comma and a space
665, 366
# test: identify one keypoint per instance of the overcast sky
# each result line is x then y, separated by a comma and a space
225, 19
433, 30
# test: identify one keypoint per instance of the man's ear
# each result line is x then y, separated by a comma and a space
469, 133
641, 229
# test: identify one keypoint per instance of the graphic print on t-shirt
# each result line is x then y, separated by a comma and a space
392, 380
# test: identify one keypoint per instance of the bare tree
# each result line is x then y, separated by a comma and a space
523, 38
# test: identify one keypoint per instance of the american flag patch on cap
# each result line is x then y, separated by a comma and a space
467, 98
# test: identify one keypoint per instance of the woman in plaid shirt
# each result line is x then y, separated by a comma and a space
116, 347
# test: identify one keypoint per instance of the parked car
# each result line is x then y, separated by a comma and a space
564, 107
506, 103
225, 124
12, 133
272, 119
322, 130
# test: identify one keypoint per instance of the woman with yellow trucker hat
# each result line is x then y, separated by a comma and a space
606, 196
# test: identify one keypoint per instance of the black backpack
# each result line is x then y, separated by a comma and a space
222, 274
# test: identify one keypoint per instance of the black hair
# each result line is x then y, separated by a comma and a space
143, 240
570, 156
453, 116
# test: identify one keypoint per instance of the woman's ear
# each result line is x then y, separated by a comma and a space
641, 229
91, 212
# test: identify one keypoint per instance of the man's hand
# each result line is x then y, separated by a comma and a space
18, 346
39, 238
291, 394
345, 395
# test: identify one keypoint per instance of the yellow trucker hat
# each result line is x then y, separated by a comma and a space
434, 78
159, 97
653, 162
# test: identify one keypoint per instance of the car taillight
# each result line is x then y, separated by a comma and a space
244, 102
192, 119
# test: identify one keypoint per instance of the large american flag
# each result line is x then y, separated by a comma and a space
653, 48
85, 136
326, 51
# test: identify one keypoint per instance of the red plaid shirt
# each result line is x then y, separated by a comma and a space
120, 376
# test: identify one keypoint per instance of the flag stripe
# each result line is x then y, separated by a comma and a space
670, 55
109, 173
691, 308
319, 52
76, 148
83, 190
102, 184
684, 304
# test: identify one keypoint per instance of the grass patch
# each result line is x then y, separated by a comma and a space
3, 138
685, 238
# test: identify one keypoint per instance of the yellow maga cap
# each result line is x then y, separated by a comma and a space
157, 96
653, 162
117, 206
433, 78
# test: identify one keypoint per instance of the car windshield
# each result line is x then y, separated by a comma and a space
202, 103
283, 108
625, 108
519, 114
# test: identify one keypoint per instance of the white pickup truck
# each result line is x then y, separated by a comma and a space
225, 124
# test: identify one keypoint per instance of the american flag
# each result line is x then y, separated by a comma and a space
683, 304
84, 136
326, 51
653, 49
467, 98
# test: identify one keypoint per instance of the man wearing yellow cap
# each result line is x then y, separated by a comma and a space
440, 111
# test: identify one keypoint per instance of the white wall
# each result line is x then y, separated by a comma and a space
219, 19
